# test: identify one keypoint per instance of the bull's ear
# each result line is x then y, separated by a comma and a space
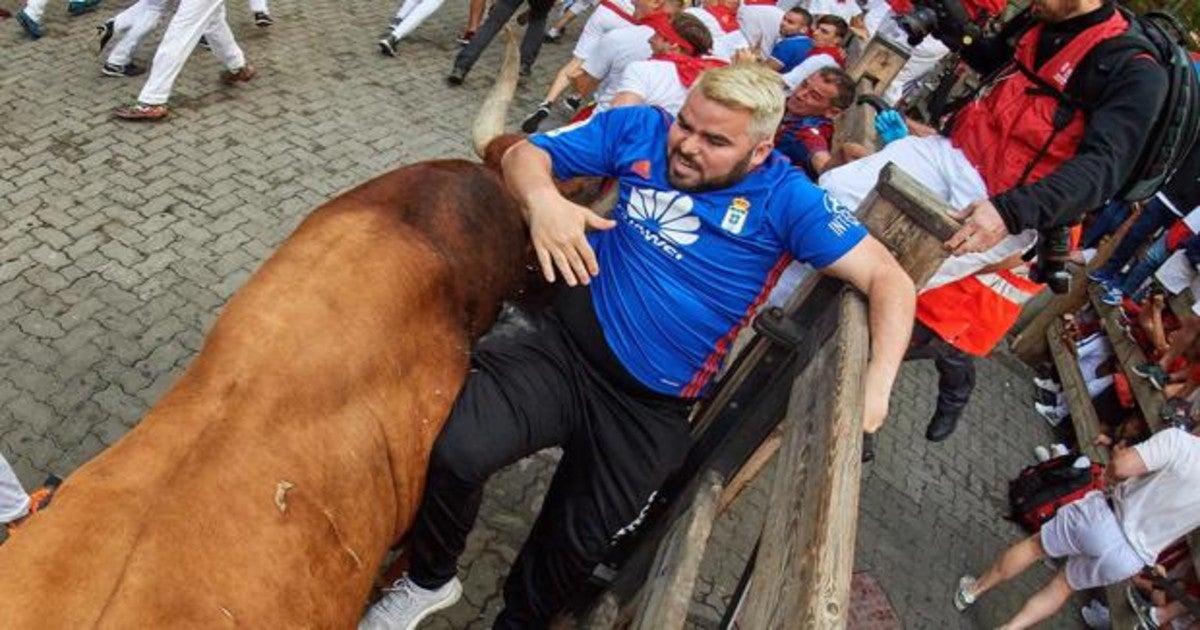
495, 149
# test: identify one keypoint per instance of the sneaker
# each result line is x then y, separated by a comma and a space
526, 69
1046, 384
941, 425
32, 27
457, 76
1096, 616
1112, 296
1041, 453
262, 19
79, 7
1153, 373
1052, 414
464, 37
1142, 608
552, 36
141, 112
1058, 449
534, 120
104, 33
1101, 277
573, 103
405, 604
118, 70
38, 500
240, 75
388, 45
203, 43
963, 597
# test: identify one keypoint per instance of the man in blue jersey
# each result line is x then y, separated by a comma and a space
708, 216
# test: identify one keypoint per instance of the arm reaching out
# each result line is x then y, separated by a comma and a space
557, 227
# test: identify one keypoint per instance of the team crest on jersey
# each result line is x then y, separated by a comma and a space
664, 219
641, 168
735, 215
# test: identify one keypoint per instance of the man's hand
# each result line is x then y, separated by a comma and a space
890, 126
982, 229
557, 228
875, 409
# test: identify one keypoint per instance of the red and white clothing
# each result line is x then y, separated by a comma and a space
718, 21
610, 15
192, 19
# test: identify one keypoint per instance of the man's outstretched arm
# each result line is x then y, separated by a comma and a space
891, 304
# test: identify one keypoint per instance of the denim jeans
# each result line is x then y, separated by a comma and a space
1154, 217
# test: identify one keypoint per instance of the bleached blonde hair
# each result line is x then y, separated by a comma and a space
749, 87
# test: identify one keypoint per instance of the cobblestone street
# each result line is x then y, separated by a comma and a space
120, 242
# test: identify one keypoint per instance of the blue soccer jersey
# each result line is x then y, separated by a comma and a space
681, 272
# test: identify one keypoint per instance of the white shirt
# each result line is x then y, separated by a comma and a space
617, 49
709, 20
844, 10
1159, 507
657, 82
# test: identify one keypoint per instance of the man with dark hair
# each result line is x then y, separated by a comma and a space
828, 36
806, 133
680, 45
796, 44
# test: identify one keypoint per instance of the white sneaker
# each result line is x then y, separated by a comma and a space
1041, 453
1058, 449
404, 605
963, 597
1051, 413
1096, 616
1046, 384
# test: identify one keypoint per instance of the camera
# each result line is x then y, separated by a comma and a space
951, 21
1053, 250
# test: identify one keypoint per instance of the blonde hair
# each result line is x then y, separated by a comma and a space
749, 87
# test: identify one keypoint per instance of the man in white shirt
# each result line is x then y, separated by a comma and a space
664, 79
1155, 504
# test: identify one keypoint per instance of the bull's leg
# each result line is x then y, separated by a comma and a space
628, 444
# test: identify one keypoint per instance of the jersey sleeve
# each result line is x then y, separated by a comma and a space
591, 147
815, 227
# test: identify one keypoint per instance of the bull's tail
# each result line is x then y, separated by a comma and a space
489, 123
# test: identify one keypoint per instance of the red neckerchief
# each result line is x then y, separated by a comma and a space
902, 7
689, 68
726, 17
833, 51
612, 6
661, 23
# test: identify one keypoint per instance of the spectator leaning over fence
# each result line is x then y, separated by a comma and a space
708, 214
1155, 504
1003, 164
806, 134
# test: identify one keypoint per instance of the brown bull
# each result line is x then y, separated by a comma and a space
266, 486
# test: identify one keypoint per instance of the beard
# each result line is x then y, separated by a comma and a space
705, 183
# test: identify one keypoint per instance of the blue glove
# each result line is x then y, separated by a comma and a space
890, 126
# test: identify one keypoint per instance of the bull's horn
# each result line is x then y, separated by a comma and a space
489, 123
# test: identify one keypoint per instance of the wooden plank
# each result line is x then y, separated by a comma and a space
910, 221
1083, 412
671, 582
1029, 341
875, 69
802, 578
1149, 400
749, 472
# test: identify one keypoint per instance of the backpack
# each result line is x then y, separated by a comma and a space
1039, 490
1177, 125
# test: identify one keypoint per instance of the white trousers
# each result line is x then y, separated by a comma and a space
36, 9
601, 21
192, 19
131, 26
412, 13
14, 502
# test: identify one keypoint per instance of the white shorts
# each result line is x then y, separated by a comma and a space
1087, 533
601, 21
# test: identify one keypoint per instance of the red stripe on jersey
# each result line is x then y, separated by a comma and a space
706, 372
